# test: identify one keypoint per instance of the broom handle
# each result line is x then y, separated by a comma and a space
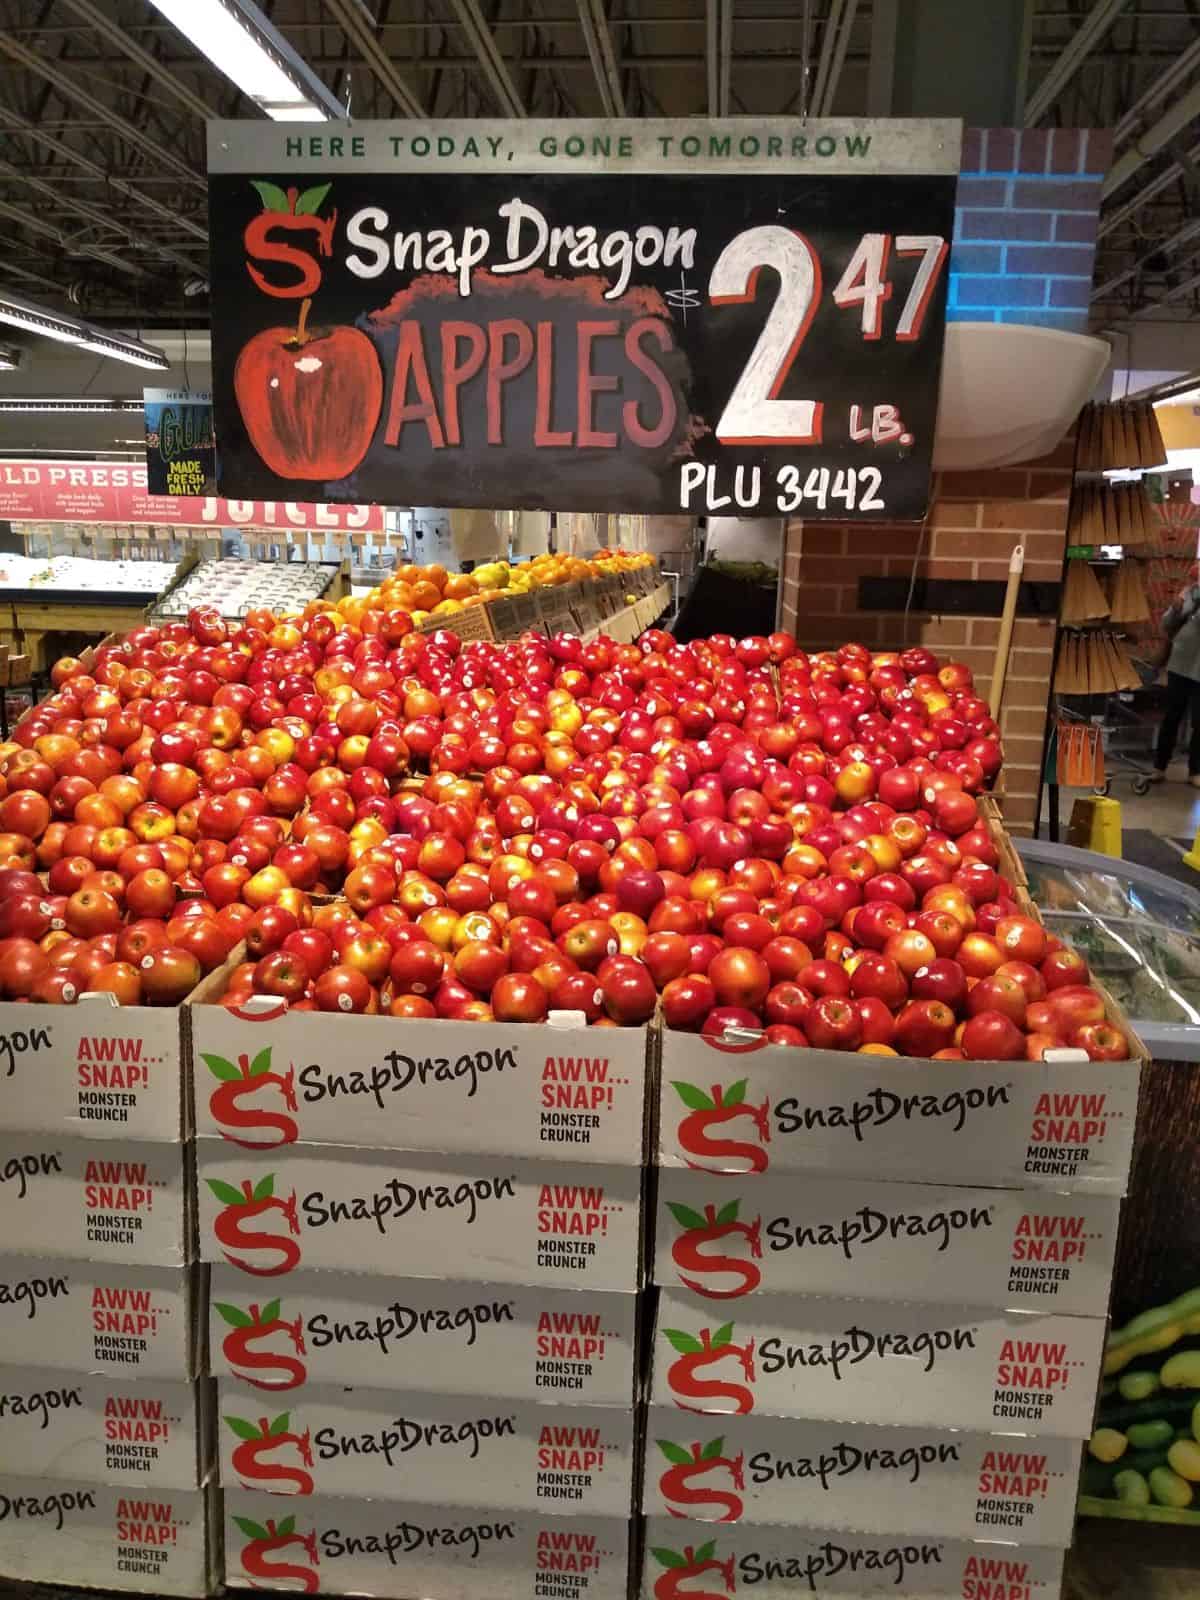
1016, 564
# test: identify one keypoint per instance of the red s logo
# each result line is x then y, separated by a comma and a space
696, 1265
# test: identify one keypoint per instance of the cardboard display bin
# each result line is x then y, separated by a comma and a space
863, 1361
124, 1322
554, 1345
879, 1480
733, 1238
376, 1547
94, 1070
757, 1108
62, 1531
456, 1450
780, 1564
145, 1434
267, 1077
119, 1202
490, 1219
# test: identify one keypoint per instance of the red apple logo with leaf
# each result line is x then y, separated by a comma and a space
310, 399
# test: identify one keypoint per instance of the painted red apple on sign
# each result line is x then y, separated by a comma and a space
310, 398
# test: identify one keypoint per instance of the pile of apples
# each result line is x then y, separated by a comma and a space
738, 834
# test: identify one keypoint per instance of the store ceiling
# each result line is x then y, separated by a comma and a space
102, 108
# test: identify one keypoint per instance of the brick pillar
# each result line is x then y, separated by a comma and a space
975, 520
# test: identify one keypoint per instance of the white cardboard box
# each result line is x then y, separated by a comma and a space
116, 1201
956, 1485
58, 1530
729, 1238
781, 1564
877, 1363
456, 1450
557, 1094
376, 1547
126, 1322
488, 1219
1021, 1124
567, 1345
145, 1434
93, 1070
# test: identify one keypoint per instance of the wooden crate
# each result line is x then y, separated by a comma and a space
472, 622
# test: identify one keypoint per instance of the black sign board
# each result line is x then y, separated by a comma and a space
738, 317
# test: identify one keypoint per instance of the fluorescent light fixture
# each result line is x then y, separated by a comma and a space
77, 404
242, 43
20, 313
43, 323
135, 354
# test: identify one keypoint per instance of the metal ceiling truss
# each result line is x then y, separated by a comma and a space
102, 104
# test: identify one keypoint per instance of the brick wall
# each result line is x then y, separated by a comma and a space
1025, 226
975, 520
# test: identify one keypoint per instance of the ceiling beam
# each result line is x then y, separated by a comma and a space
100, 219
358, 27
1168, 126
69, 246
823, 105
594, 23
65, 153
1112, 220
1186, 287
126, 131
718, 54
116, 36
1158, 91
1185, 235
492, 62
1089, 33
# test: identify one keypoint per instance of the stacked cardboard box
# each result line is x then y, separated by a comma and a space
881, 1313
102, 1441
426, 1238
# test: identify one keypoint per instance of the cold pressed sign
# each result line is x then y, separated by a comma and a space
742, 316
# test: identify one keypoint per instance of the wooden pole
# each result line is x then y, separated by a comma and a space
1016, 565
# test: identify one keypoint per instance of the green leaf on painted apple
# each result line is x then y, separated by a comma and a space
220, 1068
668, 1558
265, 1189
695, 1099
280, 1424
225, 1192
288, 1525
243, 1429
687, 1344
312, 200
713, 1449
705, 1553
685, 1216
736, 1093
723, 1336
234, 1317
675, 1453
729, 1213
261, 1063
269, 1312
252, 1530
271, 195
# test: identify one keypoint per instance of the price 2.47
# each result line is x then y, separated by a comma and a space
754, 413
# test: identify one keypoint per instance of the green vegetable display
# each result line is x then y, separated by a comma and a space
1143, 1460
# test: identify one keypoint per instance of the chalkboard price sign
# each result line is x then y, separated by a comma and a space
740, 317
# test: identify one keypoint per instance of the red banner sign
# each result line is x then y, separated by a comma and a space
101, 491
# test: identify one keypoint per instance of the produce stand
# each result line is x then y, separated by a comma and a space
78, 597
1141, 930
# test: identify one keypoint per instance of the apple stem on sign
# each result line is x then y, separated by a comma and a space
302, 335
